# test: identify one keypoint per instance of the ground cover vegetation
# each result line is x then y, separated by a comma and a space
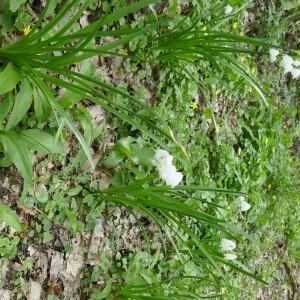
149, 149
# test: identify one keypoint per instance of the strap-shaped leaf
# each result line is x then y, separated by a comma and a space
18, 153
9, 78
22, 104
40, 141
5, 106
9, 217
41, 106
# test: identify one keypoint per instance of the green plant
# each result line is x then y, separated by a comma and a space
167, 207
30, 66
189, 44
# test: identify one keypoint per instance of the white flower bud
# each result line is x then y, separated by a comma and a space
244, 205
227, 245
273, 54
228, 9
230, 256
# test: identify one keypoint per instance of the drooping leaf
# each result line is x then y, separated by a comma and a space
9, 217
65, 116
18, 153
41, 106
9, 78
22, 104
40, 141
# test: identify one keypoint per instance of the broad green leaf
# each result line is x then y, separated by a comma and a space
113, 159
68, 99
18, 153
6, 22
40, 141
75, 191
22, 104
23, 19
5, 162
9, 217
9, 78
5, 107
15, 4
41, 194
137, 153
143, 156
124, 145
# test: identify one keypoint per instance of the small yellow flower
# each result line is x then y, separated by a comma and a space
239, 151
250, 89
253, 70
235, 25
242, 59
195, 105
26, 30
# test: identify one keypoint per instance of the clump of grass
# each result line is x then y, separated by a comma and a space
44, 57
167, 207
188, 44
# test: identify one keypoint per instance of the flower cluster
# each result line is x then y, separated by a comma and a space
288, 63
167, 171
228, 245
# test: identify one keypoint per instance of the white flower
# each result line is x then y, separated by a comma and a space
230, 256
295, 73
167, 171
273, 54
227, 245
287, 63
162, 157
296, 63
174, 179
244, 205
228, 9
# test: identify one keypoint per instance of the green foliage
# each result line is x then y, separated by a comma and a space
8, 78
8, 246
21, 106
191, 71
14, 5
9, 217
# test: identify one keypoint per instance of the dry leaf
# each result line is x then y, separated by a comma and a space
35, 291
